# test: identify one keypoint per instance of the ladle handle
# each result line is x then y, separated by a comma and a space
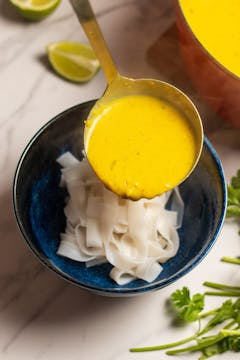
89, 23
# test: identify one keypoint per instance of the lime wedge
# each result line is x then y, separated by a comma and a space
73, 61
35, 9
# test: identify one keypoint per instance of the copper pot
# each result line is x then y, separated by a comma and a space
216, 84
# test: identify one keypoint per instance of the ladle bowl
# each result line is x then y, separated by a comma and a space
120, 86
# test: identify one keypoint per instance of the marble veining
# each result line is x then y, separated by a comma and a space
41, 316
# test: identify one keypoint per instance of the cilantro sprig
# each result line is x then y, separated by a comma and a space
226, 318
233, 206
189, 308
233, 211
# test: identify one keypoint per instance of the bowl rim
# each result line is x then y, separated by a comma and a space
222, 67
114, 291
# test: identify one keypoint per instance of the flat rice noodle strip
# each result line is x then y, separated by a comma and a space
111, 253
172, 246
149, 270
81, 172
93, 233
88, 170
124, 254
73, 173
93, 226
68, 248
171, 216
108, 216
69, 229
164, 241
156, 250
163, 225
137, 225
132, 235
177, 205
88, 175
72, 213
62, 183
80, 233
157, 246
78, 196
94, 207
122, 217
120, 228
168, 194
158, 200
110, 198
159, 252
152, 212
116, 256
67, 160
127, 246
121, 277
96, 190
121, 225
97, 261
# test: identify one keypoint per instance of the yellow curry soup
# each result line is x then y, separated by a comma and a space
216, 25
140, 146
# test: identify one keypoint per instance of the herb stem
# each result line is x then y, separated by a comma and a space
231, 260
227, 332
223, 293
230, 324
206, 329
165, 346
212, 340
221, 286
209, 313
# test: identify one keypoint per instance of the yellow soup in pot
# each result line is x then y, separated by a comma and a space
140, 146
216, 24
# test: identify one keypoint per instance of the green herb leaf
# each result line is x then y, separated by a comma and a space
233, 208
187, 307
225, 312
235, 181
237, 311
217, 348
234, 343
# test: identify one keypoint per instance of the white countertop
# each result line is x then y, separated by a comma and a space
42, 316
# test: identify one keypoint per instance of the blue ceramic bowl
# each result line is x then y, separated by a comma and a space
39, 202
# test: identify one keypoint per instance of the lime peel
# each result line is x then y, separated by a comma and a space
32, 10
73, 61
80, 60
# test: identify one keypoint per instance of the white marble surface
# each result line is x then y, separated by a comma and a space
41, 316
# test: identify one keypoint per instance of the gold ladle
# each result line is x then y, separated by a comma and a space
120, 86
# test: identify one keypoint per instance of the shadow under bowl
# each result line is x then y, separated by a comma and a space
39, 202
219, 87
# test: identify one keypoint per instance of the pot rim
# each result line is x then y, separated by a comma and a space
179, 12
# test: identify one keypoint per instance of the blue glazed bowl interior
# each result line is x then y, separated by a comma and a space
39, 203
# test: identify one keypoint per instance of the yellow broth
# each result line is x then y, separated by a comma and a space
216, 24
140, 146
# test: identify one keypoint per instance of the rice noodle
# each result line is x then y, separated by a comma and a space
133, 236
